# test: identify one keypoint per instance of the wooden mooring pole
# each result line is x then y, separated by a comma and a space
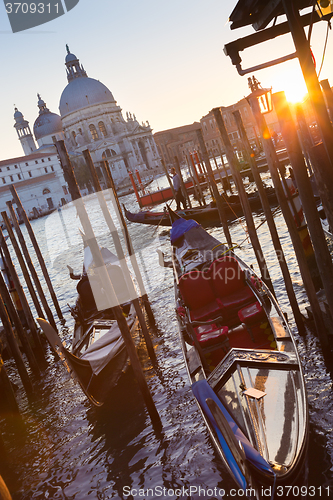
37, 250
27, 312
233, 165
31, 267
22, 263
131, 253
120, 253
289, 134
197, 178
105, 282
213, 185
274, 167
15, 319
168, 177
15, 350
271, 224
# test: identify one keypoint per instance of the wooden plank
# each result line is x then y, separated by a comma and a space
280, 332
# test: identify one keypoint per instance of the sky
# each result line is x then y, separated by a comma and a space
163, 61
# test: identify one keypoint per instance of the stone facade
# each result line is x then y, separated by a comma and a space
38, 180
178, 142
92, 120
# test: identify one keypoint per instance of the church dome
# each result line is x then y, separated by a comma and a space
18, 116
70, 57
47, 123
83, 92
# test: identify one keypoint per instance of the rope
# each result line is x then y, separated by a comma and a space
239, 220
325, 46
261, 223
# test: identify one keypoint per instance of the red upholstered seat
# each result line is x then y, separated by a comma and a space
228, 283
198, 295
251, 314
236, 299
211, 335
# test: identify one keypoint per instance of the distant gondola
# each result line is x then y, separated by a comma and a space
206, 216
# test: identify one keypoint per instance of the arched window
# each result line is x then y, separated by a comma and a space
102, 129
113, 152
93, 132
106, 154
74, 136
46, 191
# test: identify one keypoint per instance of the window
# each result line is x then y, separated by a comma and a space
42, 160
52, 168
102, 129
46, 191
74, 136
11, 178
93, 132
3, 180
30, 174
8, 168
45, 168
49, 159
26, 164
36, 161
19, 176
106, 154
15, 166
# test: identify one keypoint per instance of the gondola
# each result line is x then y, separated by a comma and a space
97, 357
206, 216
242, 363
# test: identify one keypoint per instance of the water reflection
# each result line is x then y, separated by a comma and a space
67, 449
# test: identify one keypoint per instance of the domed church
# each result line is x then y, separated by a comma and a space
91, 119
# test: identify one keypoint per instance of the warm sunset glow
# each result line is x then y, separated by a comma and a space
292, 83
294, 94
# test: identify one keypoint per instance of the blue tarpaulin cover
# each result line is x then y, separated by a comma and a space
179, 227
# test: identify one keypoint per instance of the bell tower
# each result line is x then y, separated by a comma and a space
24, 133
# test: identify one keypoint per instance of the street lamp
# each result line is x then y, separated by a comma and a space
264, 96
324, 7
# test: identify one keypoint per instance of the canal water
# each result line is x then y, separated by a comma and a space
64, 448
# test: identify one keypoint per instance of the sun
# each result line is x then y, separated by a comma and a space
295, 94
292, 83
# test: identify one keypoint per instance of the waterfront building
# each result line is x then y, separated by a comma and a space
212, 137
37, 176
178, 141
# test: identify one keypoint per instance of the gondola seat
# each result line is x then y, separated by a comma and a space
211, 335
251, 314
229, 286
198, 295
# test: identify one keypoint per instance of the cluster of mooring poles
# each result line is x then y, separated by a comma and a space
104, 277
19, 327
308, 162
